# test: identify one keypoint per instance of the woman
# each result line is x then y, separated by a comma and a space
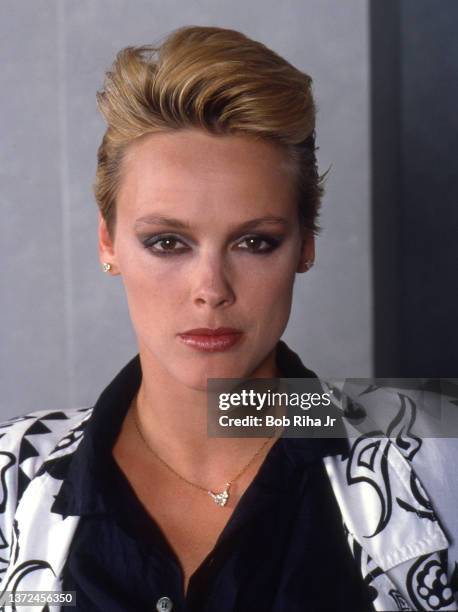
208, 193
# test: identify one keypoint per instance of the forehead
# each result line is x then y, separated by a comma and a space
190, 170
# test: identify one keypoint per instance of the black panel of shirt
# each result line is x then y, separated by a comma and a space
283, 548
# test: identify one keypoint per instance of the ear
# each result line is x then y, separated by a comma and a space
307, 254
106, 246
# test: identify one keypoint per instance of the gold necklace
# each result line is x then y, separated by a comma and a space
220, 499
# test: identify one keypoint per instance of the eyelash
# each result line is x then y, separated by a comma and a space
273, 243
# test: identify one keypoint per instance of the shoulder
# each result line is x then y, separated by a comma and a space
48, 424
383, 488
27, 440
27, 443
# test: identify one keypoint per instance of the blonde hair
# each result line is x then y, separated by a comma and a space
215, 79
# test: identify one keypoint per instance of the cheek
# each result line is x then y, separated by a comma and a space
153, 290
266, 296
268, 282
153, 300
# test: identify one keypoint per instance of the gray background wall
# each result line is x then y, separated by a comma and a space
65, 329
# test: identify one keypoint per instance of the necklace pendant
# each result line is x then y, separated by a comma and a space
220, 499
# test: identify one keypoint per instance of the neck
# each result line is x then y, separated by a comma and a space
173, 421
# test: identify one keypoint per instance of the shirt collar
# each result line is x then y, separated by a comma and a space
80, 493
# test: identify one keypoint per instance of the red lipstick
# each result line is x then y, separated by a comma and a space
211, 340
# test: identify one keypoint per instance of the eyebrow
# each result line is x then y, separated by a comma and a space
158, 219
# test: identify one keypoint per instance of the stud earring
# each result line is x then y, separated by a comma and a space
106, 267
309, 263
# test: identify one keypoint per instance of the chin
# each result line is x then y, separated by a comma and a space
196, 378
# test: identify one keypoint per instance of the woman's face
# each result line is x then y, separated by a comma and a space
206, 236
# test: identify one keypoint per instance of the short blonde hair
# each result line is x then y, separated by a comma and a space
215, 79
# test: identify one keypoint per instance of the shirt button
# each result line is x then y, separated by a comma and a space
164, 604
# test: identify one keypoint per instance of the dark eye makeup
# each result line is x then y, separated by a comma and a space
167, 244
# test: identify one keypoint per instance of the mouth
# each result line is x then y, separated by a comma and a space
211, 340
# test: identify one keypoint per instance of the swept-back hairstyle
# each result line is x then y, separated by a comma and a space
217, 80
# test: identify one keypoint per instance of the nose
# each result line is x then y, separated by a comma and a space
212, 286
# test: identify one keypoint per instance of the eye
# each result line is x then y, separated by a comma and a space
258, 244
165, 245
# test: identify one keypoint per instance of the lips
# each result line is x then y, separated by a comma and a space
206, 331
211, 340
